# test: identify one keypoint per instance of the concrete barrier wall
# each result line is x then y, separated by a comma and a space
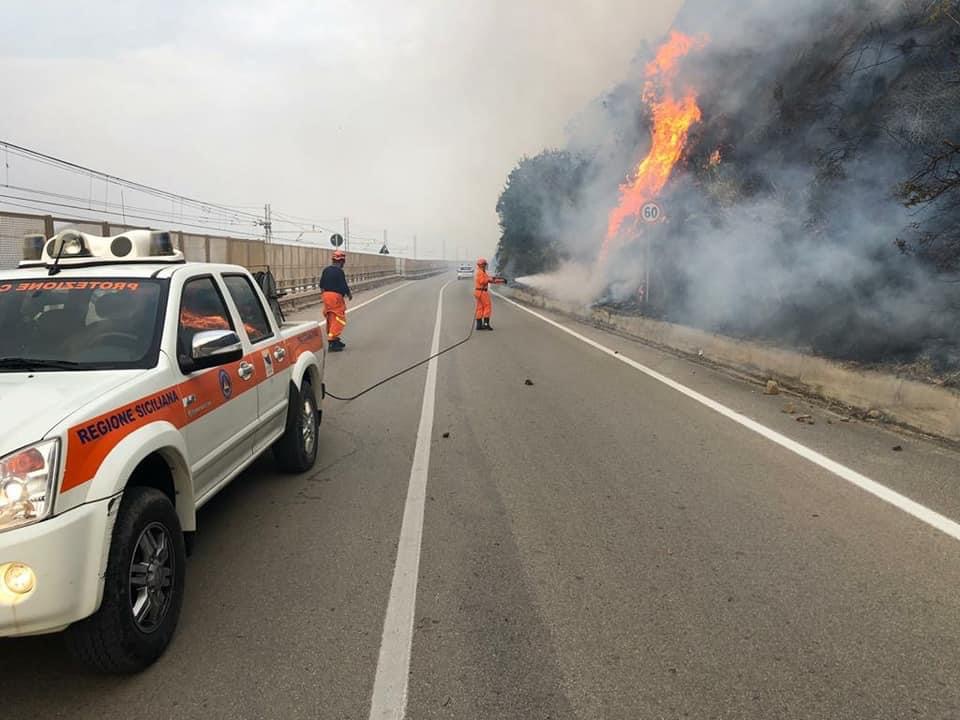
928, 408
290, 263
297, 265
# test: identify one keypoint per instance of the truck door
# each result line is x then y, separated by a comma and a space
220, 402
269, 357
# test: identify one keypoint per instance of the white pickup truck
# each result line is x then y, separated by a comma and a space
134, 386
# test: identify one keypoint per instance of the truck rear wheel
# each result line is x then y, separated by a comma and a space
143, 588
296, 450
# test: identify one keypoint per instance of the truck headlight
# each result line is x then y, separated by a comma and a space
27, 479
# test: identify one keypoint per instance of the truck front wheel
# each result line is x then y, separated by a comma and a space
143, 588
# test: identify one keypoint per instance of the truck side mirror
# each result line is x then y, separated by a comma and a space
211, 348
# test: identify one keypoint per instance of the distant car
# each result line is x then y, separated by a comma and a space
465, 270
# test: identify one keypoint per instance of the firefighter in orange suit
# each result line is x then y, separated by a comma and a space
481, 292
333, 285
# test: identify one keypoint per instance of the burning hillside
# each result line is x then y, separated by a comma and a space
672, 119
805, 161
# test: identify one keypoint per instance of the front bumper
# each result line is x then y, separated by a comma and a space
68, 553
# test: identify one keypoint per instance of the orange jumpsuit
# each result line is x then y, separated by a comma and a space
335, 310
482, 294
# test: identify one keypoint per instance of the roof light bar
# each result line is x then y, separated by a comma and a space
71, 247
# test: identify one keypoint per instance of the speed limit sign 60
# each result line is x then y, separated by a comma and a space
651, 213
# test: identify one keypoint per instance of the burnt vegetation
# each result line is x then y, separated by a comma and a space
818, 202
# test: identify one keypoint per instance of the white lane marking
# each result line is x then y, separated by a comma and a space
373, 299
912, 507
389, 701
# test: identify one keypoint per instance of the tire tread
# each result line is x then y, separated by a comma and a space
101, 641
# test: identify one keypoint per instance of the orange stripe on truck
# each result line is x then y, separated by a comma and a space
89, 443
311, 340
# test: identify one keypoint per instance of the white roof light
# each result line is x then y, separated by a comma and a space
71, 247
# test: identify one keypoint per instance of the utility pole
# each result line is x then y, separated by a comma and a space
267, 225
346, 233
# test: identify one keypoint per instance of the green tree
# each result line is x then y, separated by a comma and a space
541, 193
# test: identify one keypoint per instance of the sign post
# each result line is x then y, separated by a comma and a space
650, 213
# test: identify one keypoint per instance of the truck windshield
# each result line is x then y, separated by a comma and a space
89, 324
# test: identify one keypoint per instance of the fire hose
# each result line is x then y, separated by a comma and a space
385, 380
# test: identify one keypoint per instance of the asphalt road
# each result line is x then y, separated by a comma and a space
595, 544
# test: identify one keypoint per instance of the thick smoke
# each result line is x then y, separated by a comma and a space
800, 234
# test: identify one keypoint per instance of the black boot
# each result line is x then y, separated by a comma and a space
486, 324
479, 324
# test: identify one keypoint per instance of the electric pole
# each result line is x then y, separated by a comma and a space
346, 233
267, 225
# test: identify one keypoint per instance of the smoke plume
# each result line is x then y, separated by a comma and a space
815, 203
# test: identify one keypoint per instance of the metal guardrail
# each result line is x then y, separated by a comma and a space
311, 296
300, 285
306, 292
425, 273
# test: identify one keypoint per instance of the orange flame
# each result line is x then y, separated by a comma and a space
672, 119
195, 321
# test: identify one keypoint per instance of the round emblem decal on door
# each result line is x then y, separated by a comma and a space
226, 387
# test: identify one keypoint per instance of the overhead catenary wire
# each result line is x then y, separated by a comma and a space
208, 216
34, 206
81, 169
213, 224
302, 220
118, 212
131, 209
233, 217
204, 206
183, 212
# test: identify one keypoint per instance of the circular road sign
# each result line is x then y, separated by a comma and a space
651, 213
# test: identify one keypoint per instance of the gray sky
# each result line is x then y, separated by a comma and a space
402, 115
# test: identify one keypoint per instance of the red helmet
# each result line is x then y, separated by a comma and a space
482, 262
339, 255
